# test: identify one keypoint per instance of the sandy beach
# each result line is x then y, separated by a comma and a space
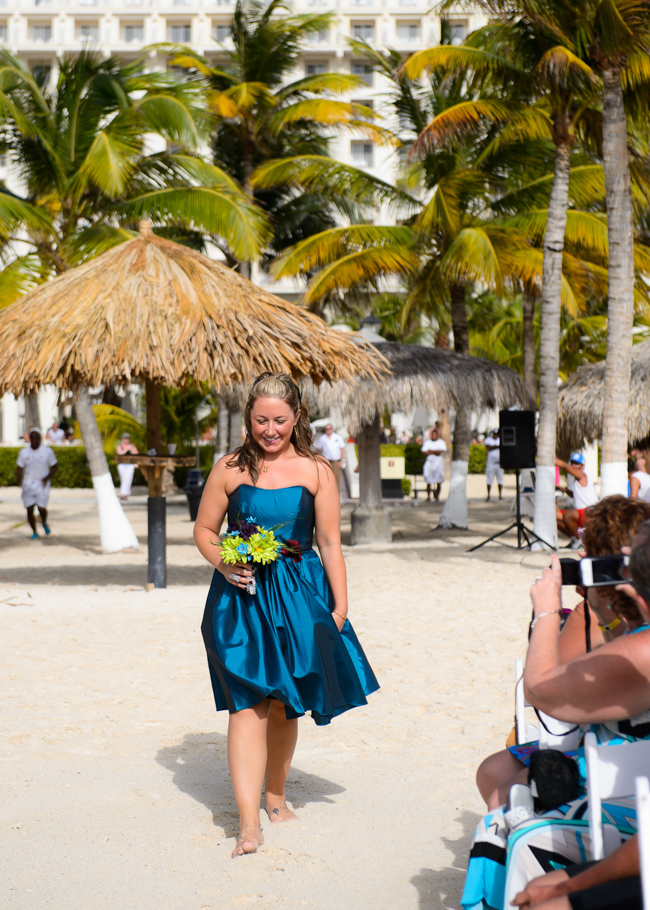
116, 789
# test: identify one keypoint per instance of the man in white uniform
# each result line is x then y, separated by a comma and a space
493, 467
433, 469
35, 467
332, 447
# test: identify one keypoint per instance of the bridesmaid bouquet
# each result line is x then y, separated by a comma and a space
247, 541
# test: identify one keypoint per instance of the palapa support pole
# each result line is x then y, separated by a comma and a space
156, 506
371, 520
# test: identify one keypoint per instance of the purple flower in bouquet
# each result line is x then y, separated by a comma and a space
244, 528
247, 529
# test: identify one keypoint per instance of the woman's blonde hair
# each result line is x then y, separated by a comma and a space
273, 385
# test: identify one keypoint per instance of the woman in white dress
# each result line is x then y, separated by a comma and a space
434, 469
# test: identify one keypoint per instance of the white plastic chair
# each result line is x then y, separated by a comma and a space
643, 825
611, 771
525, 732
562, 735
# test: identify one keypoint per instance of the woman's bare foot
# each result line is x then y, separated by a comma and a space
280, 813
248, 841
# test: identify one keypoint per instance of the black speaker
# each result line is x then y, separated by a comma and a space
517, 434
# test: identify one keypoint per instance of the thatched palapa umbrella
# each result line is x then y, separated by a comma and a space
580, 402
156, 312
421, 377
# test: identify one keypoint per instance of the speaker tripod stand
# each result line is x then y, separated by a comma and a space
523, 532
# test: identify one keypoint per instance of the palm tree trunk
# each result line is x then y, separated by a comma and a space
454, 513
234, 430
221, 442
528, 348
545, 523
244, 265
115, 530
620, 306
459, 321
32, 417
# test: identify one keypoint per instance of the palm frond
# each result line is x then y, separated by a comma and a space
451, 58
460, 120
318, 172
359, 268
561, 65
472, 257
327, 246
19, 277
323, 82
216, 210
167, 116
92, 241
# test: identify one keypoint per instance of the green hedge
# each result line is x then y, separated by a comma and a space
73, 468
415, 457
74, 471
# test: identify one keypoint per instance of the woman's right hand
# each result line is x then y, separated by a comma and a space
240, 574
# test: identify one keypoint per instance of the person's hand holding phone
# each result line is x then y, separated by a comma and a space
546, 592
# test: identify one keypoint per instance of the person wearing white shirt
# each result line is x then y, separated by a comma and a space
640, 486
433, 469
493, 467
55, 436
35, 467
332, 447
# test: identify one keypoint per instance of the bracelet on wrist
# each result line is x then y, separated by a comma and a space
540, 615
340, 615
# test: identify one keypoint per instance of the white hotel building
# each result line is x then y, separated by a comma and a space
41, 31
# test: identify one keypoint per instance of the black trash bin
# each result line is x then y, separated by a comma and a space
194, 491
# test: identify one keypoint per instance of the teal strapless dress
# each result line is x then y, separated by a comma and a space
282, 642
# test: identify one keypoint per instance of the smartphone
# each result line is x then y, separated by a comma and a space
597, 571
570, 571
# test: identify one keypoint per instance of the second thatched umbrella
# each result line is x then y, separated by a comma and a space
421, 377
580, 402
156, 312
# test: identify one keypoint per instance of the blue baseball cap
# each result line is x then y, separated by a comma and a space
576, 458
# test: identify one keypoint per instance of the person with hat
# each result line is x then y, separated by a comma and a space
35, 467
493, 467
584, 496
126, 471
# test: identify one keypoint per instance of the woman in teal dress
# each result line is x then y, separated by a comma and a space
288, 648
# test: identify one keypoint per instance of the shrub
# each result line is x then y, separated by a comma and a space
477, 459
406, 486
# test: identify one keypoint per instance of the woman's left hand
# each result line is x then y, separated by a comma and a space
546, 592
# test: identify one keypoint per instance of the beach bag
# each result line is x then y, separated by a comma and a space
553, 778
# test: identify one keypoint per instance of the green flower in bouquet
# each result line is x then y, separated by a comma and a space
263, 547
235, 549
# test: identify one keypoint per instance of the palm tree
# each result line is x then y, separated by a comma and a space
261, 114
530, 80
79, 148
617, 35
